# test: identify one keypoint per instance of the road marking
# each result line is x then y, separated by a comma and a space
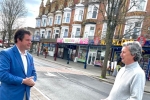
49, 74
62, 75
41, 93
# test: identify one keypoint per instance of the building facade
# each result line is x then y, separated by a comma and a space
68, 28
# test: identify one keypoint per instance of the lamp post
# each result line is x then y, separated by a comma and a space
68, 56
85, 64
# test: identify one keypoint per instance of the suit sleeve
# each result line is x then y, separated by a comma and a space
5, 75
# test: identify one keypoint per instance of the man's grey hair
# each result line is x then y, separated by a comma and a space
135, 49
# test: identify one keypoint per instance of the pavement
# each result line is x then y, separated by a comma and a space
91, 71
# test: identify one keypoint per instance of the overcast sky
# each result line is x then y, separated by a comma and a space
33, 11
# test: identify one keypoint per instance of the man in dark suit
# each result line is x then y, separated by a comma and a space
17, 71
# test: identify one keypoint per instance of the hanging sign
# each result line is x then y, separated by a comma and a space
141, 40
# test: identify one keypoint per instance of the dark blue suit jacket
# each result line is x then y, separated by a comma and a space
12, 73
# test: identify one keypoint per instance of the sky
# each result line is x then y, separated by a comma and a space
33, 11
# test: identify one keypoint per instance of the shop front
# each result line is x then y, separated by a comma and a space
92, 56
144, 62
49, 44
69, 48
66, 51
35, 43
81, 57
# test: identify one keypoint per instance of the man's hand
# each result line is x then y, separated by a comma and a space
29, 81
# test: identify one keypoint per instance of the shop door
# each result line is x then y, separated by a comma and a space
65, 55
91, 58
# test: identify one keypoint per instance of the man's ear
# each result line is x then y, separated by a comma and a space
18, 40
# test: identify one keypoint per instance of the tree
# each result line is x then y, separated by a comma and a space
115, 11
12, 11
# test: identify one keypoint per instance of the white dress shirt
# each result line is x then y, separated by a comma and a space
24, 60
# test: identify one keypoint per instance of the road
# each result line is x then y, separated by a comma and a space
61, 83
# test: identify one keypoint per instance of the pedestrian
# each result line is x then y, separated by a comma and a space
130, 80
17, 71
116, 69
46, 51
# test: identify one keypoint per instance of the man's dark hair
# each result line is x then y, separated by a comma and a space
19, 34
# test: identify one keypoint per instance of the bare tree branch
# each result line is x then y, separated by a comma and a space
12, 11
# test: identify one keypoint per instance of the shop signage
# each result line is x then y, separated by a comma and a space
141, 40
94, 40
147, 43
116, 41
73, 40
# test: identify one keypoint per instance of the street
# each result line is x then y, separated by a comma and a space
58, 82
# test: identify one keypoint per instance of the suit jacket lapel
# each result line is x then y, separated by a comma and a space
18, 57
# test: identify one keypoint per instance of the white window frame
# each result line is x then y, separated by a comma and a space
132, 27
137, 5
43, 24
42, 33
74, 31
55, 32
38, 23
91, 10
66, 18
79, 16
63, 35
58, 19
50, 21
116, 7
49, 32
88, 32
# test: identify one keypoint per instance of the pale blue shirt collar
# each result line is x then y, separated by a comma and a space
132, 65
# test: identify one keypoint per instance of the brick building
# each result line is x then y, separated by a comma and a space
71, 27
